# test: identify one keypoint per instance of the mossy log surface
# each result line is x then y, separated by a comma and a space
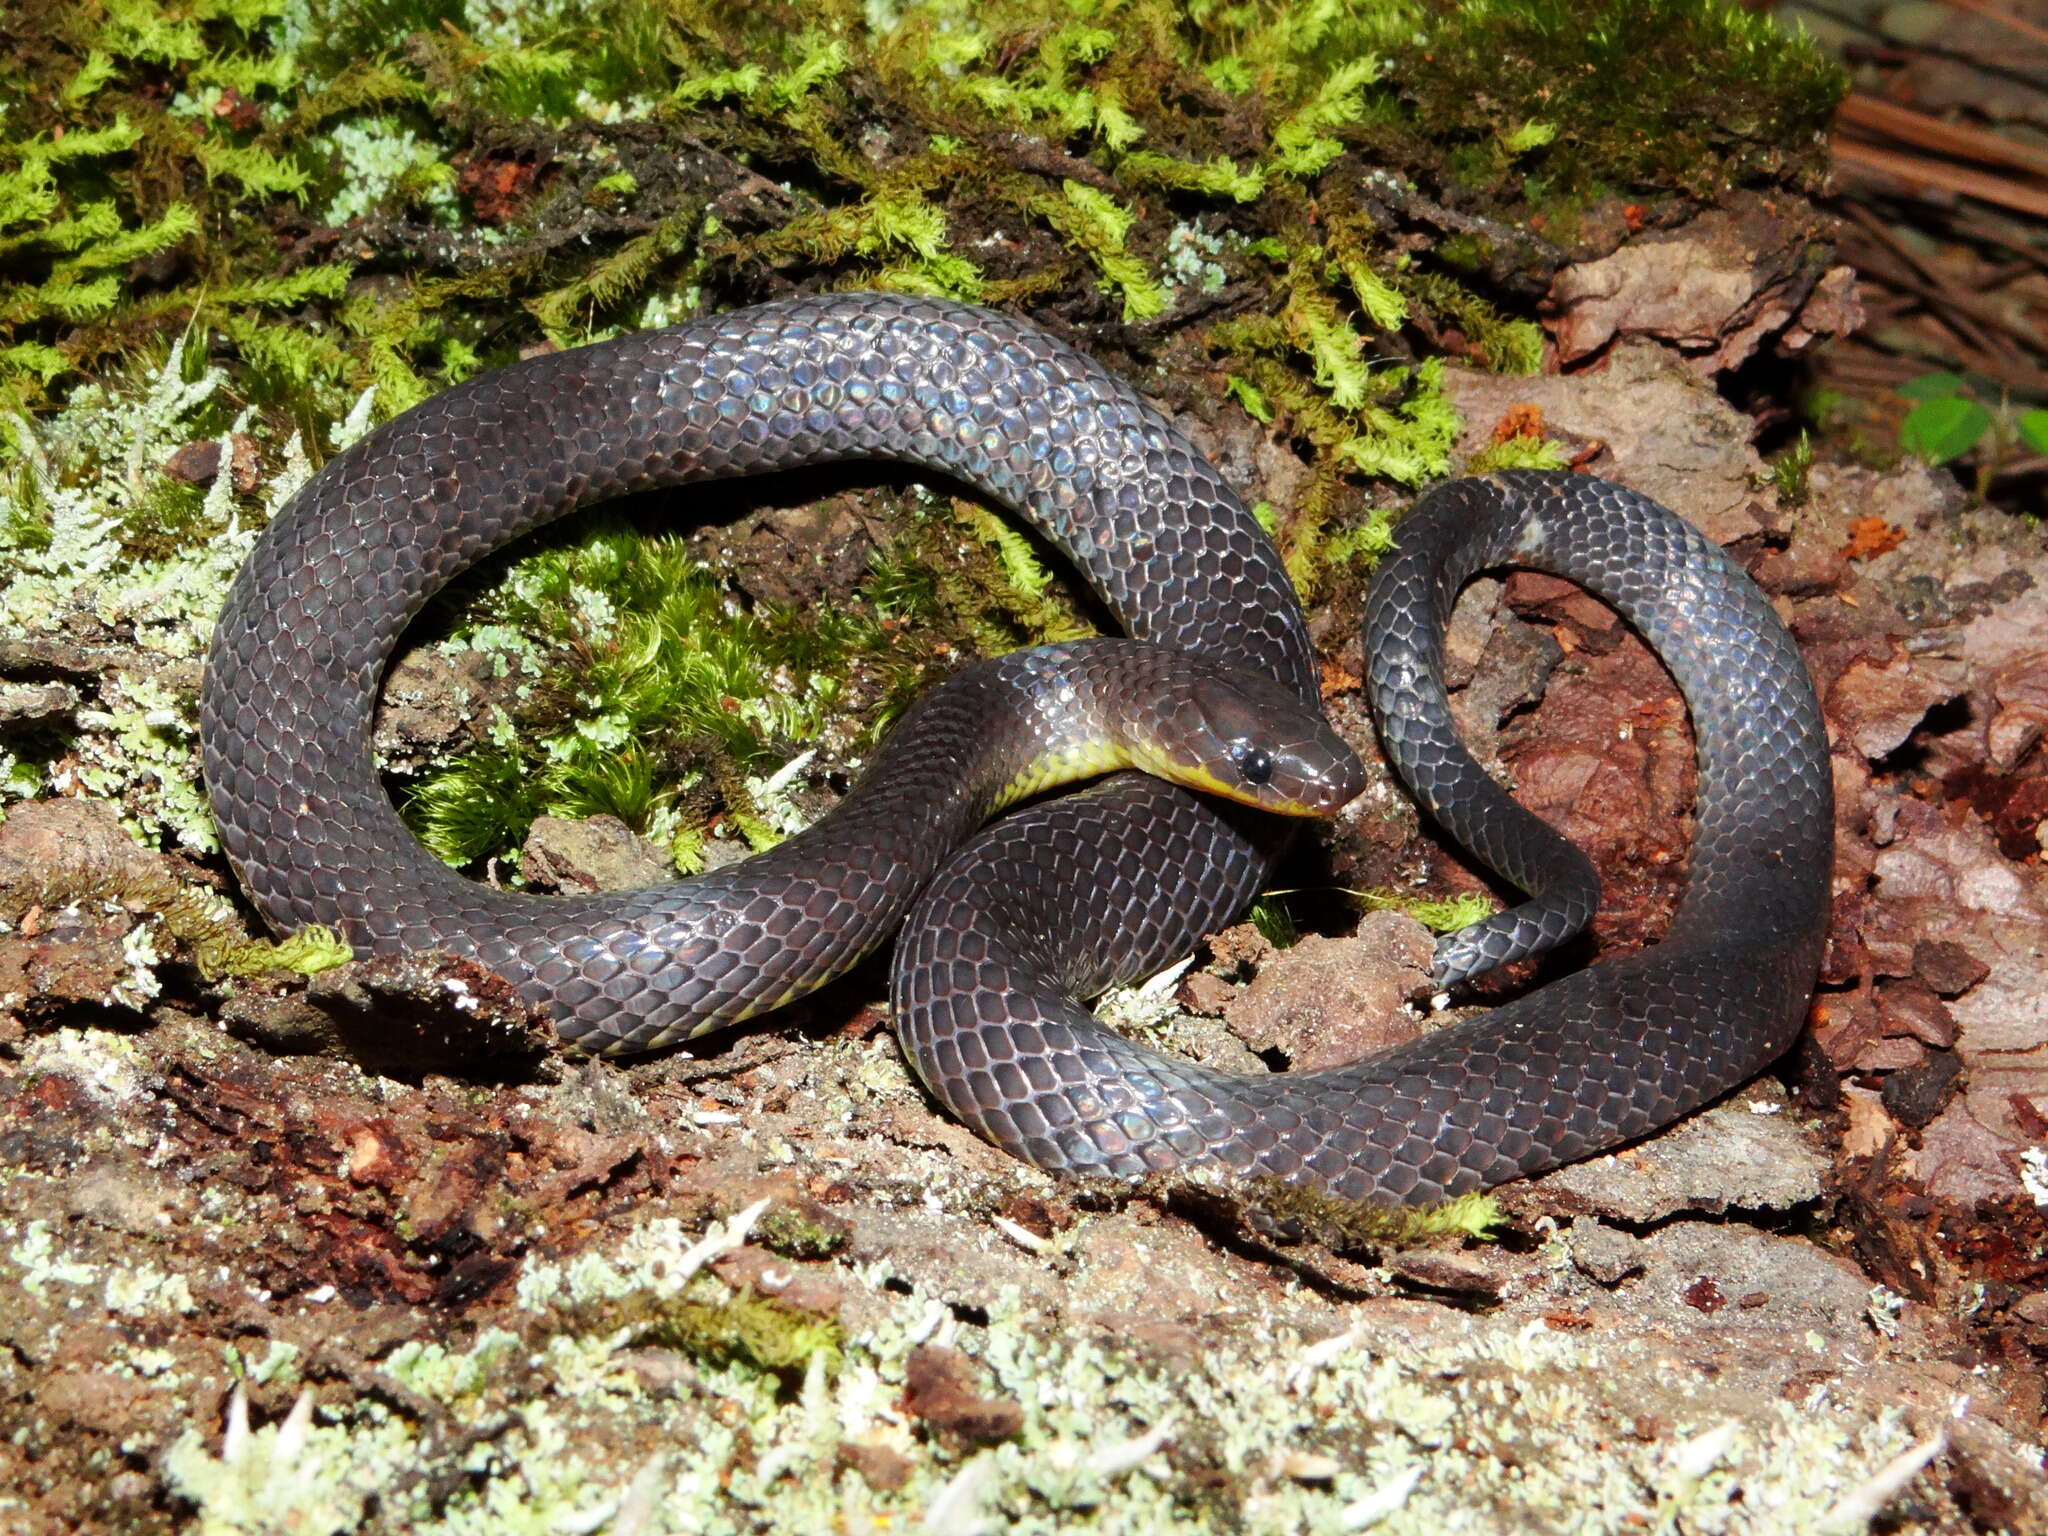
268, 1277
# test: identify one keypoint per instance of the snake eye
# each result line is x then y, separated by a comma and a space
1254, 765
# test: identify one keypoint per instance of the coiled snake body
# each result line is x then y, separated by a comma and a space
1052, 903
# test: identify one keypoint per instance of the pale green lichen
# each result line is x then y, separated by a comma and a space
38, 1265
143, 741
90, 487
294, 1476
138, 1291
452, 1376
1190, 262
106, 1066
280, 1363
1144, 1005
774, 813
623, 1385
145, 1289
18, 780
381, 158
659, 1259
138, 949
1291, 1434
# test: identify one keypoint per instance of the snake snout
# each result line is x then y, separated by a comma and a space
1250, 739
1320, 774
1313, 772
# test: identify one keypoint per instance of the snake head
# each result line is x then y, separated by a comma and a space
1247, 738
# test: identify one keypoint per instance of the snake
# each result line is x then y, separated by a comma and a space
1008, 934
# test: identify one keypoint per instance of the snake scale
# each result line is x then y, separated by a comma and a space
1054, 902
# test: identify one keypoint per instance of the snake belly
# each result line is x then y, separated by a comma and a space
1593, 1059
313, 619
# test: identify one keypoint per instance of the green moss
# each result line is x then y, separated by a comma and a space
1536, 103
648, 680
1275, 923
1007, 589
789, 1230
1353, 1226
745, 1329
146, 123
198, 920
1437, 916
479, 805
1518, 453
1790, 470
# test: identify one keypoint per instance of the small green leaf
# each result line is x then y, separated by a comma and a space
2033, 429
1250, 396
1939, 429
1531, 135
1229, 73
1932, 386
95, 72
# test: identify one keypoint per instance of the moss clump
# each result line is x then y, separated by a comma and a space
199, 920
570, 170
647, 680
1447, 916
1350, 1226
1540, 105
652, 693
1791, 469
797, 1233
745, 1330
1274, 922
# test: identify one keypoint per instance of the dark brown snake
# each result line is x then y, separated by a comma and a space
1072, 894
